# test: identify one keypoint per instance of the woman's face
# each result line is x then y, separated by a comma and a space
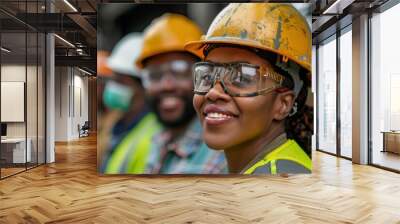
243, 119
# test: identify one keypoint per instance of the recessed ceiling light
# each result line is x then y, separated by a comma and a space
65, 41
5, 50
84, 71
70, 5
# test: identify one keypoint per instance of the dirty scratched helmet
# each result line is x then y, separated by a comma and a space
268, 27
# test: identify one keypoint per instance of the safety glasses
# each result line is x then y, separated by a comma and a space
237, 79
178, 70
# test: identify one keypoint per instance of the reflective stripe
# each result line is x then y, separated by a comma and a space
134, 145
290, 151
273, 166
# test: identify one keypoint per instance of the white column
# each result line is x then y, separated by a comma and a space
360, 90
50, 94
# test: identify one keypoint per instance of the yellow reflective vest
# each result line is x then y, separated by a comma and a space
131, 155
287, 158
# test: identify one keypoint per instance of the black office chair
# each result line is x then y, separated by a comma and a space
84, 130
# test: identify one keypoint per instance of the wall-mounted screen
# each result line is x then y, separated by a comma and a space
12, 101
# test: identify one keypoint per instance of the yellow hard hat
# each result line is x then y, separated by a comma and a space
274, 27
169, 33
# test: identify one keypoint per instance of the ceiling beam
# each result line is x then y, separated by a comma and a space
337, 6
82, 61
86, 27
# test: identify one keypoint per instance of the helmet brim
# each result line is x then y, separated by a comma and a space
197, 48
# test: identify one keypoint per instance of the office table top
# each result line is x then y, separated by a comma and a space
390, 132
13, 140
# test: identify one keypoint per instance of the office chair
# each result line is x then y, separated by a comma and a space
84, 130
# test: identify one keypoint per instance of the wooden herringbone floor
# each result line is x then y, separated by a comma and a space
70, 191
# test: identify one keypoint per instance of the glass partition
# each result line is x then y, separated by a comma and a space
41, 91
22, 77
31, 97
15, 151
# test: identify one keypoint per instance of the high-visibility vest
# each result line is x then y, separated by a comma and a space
130, 156
287, 158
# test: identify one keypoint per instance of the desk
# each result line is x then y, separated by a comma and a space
391, 141
16, 147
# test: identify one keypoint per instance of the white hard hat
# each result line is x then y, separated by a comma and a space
124, 54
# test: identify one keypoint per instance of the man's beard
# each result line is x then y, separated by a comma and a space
187, 115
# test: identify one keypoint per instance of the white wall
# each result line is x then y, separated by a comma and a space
61, 103
71, 93
80, 100
33, 126
16, 73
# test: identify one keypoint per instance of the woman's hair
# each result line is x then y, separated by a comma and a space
299, 126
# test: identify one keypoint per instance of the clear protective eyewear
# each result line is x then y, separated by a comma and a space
178, 70
237, 79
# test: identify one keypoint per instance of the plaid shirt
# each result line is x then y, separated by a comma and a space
187, 155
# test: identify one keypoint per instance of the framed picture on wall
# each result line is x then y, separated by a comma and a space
197, 89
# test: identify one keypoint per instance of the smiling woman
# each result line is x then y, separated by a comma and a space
249, 86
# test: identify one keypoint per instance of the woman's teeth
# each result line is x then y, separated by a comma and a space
218, 116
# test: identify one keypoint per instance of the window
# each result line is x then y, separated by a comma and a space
346, 92
385, 89
327, 96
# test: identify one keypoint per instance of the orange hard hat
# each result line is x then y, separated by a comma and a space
102, 67
168, 33
274, 27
